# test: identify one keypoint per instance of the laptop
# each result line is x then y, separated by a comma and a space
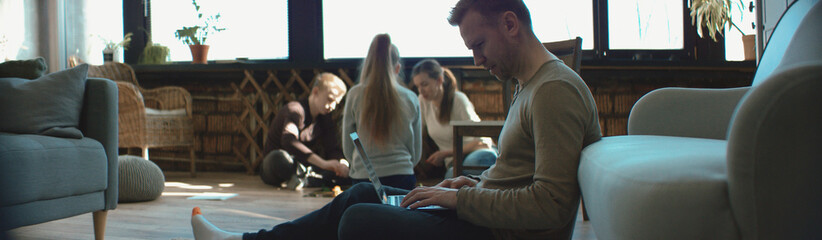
393, 200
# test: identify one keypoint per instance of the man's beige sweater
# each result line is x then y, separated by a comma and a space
532, 191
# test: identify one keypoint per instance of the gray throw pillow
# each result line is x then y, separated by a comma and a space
28, 69
49, 105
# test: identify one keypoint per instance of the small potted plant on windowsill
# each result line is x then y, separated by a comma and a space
195, 37
111, 51
714, 15
153, 53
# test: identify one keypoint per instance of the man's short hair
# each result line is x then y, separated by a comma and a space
490, 9
327, 80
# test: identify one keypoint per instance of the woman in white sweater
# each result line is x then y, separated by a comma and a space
386, 116
441, 103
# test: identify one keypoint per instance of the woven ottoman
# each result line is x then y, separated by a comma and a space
140, 179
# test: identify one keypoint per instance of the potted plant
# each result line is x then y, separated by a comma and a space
195, 37
153, 53
714, 15
112, 48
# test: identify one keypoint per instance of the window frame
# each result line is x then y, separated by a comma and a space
305, 23
602, 51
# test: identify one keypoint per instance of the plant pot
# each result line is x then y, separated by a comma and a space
749, 44
118, 55
199, 54
108, 55
154, 54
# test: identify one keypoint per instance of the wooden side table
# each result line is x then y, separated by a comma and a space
471, 129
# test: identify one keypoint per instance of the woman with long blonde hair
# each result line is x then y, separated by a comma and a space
386, 116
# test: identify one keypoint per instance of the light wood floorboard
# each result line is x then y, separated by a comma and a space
257, 206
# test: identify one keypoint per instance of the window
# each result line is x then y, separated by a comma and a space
562, 20
744, 18
420, 28
15, 41
254, 29
79, 29
90, 25
645, 24
637, 29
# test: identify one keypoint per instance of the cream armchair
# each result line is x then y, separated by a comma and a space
737, 163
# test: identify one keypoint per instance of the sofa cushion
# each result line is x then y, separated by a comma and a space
28, 69
648, 187
49, 105
37, 167
162, 112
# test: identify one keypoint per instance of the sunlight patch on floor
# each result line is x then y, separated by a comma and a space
202, 195
187, 186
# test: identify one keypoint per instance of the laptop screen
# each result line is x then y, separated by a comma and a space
372, 175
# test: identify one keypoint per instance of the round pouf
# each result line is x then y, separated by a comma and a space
140, 179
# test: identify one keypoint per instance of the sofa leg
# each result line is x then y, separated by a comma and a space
99, 224
584, 211
193, 163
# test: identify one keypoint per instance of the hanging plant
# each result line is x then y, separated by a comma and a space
714, 15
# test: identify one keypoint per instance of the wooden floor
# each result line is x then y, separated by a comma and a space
257, 206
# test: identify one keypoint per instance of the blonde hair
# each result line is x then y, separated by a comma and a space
380, 96
329, 81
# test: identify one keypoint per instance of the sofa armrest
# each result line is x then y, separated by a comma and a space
98, 120
685, 112
774, 155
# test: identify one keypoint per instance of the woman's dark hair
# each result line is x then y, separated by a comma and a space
434, 70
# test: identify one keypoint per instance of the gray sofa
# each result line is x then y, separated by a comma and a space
44, 178
739, 163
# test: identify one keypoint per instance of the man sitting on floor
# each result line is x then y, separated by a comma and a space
531, 192
300, 124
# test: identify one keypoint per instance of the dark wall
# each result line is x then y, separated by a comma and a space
225, 100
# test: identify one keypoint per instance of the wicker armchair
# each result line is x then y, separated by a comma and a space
148, 118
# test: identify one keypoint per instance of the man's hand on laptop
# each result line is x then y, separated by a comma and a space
444, 194
457, 182
426, 196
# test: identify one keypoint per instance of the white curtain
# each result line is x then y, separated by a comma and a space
19, 31
59, 29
